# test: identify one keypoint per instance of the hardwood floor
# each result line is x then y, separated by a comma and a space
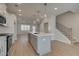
19, 49
62, 49
58, 49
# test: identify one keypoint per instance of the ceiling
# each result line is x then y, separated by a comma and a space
37, 10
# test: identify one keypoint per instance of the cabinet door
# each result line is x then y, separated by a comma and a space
2, 45
44, 45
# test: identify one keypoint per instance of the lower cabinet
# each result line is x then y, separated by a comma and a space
44, 45
2, 45
5, 44
41, 44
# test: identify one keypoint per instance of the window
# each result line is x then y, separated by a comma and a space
25, 27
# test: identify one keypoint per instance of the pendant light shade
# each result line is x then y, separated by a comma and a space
45, 10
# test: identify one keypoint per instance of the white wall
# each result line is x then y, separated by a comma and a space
70, 20
51, 25
65, 19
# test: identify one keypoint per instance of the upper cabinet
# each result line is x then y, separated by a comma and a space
7, 20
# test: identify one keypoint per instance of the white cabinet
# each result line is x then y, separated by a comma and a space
41, 44
44, 45
2, 45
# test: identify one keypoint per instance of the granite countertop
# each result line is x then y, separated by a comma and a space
5, 34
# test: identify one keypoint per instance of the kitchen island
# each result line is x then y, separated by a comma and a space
41, 42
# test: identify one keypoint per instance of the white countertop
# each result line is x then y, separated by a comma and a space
42, 34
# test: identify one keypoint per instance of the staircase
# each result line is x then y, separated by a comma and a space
67, 32
60, 37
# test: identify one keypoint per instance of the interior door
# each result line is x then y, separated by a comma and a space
46, 27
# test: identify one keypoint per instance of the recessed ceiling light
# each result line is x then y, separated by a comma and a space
19, 10
55, 8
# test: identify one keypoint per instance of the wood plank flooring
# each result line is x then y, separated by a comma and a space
19, 49
58, 49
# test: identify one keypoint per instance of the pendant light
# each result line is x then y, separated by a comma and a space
45, 5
